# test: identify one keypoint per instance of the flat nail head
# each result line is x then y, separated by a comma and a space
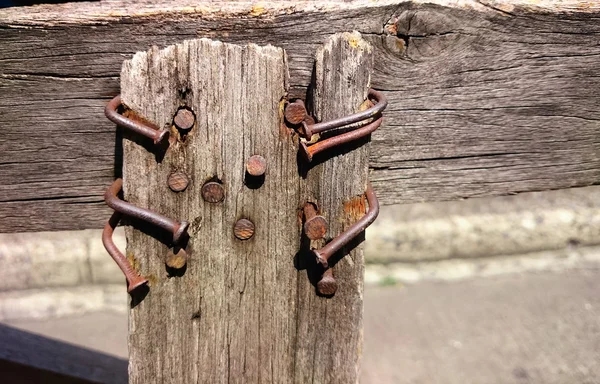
176, 259
243, 229
315, 225
213, 192
256, 165
184, 118
178, 181
315, 228
327, 286
295, 112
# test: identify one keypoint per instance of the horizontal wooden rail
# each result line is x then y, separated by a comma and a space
485, 98
29, 358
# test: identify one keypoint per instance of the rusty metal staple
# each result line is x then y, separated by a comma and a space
148, 130
311, 129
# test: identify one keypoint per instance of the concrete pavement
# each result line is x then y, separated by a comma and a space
518, 328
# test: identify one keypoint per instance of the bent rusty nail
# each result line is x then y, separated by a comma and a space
134, 279
178, 229
380, 105
320, 146
148, 130
344, 238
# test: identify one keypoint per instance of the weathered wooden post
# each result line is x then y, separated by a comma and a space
244, 308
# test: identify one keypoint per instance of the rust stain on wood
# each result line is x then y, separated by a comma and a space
133, 115
355, 208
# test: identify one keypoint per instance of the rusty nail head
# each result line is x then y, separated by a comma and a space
243, 229
184, 118
315, 226
295, 112
176, 259
327, 286
213, 192
178, 181
256, 165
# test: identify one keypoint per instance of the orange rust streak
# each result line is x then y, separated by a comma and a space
132, 115
355, 208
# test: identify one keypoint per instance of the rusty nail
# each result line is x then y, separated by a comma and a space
178, 229
310, 151
295, 112
213, 192
243, 229
345, 237
178, 181
256, 165
375, 110
184, 118
315, 226
176, 259
134, 279
145, 129
327, 286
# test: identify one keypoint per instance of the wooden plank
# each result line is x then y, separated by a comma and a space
244, 311
29, 358
337, 184
240, 310
486, 98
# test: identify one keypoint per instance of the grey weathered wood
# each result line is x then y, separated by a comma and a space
485, 99
343, 68
241, 311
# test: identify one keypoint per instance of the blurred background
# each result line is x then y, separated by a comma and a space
491, 290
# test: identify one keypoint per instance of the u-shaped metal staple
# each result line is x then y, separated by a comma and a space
148, 130
308, 130
322, 255
178, 229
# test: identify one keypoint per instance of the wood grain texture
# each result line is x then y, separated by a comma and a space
241, 311
336, 181
230, 316
486, 98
